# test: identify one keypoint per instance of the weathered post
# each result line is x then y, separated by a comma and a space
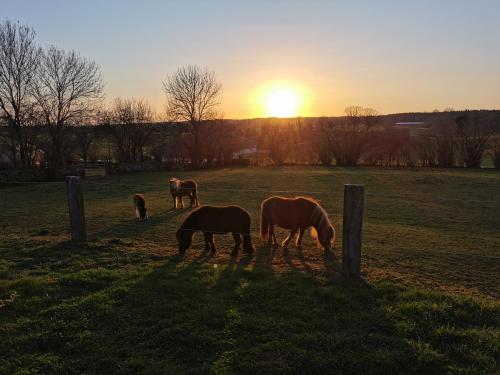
76, 211
353, 222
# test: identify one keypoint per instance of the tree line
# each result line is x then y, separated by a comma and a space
51, 106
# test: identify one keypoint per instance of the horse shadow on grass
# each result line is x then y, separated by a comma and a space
192, 317
133, 228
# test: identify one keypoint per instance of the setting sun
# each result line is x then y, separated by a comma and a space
280, 98
282, 103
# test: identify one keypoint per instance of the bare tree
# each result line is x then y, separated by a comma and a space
230, 139
131, 127
165, 145
495, 152
351, 135
473, 132
66, 89
426, 151
323, 141
19, 60
84, 137
361, 116
388, 147
276, 138
193, 95
443, 137
141, 133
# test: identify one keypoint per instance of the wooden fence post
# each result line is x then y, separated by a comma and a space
353, 222
76, 210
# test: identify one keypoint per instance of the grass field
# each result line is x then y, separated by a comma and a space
125, 303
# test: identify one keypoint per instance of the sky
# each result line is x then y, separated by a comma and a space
391, 55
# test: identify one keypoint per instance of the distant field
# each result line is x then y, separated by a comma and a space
126, 303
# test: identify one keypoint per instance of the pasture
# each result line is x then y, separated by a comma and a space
127, 303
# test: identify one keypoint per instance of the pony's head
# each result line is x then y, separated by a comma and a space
322, 230
175, 184
327, 237
184, 239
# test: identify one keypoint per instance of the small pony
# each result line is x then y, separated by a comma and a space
295, 214
179, 188
216, 220
141, 212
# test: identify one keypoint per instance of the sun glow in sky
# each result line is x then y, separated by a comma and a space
282, 103
280, 99
286, 57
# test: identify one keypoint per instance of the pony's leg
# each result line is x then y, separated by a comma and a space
207, 236
182, 203
299, 238
247, 243
237, 243
275, 243
212, 244
191, 200
175, 200
269, 234
197, 200
287, 240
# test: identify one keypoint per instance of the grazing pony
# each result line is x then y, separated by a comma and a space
295, 214
179, 188
216, 220
141, 212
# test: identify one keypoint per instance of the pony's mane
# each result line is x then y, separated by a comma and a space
310, 199
175, 184
319, 215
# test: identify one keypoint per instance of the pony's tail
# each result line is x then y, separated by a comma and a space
196, 200
264, 223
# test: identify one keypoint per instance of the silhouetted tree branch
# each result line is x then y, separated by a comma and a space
473, 133
19, 60
130, 127
193, 95
66, 89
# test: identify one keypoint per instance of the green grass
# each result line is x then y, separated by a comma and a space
125, 303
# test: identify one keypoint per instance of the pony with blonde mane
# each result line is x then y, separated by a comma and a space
296, 214
179, 189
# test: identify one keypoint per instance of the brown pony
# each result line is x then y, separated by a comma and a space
141, 212
296, 214
188, 188
216, 220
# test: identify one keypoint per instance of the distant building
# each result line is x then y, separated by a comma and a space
247, 152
